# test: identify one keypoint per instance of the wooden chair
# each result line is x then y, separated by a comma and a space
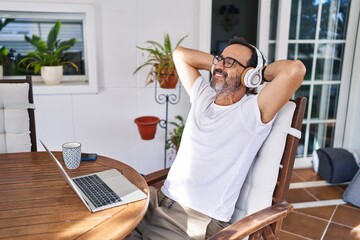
262, 203
30, 108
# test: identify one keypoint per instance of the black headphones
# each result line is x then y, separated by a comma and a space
252, 77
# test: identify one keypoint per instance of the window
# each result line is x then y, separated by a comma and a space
77, 21
322, 34
320, 43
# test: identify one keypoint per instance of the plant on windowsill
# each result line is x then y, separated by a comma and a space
3, 59
176, 134
161, 61
3, 50
49, 57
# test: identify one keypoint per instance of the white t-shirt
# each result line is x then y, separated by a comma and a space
218, 146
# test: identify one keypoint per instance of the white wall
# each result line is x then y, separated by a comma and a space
351, 136
103, 122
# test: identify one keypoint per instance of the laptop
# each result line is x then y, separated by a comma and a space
101, 190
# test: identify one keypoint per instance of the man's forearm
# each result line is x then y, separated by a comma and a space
188, 62
285, 77
289, 67
194, 58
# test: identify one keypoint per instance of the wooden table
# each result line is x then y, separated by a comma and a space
37, 203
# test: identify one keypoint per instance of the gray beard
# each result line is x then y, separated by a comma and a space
223, 87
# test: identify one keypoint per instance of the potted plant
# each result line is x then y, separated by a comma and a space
161, 61
49, 57
3, 58
176, 134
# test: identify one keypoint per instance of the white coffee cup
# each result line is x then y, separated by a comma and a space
72, 154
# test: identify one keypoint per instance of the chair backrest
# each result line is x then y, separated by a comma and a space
268, 180
17, 118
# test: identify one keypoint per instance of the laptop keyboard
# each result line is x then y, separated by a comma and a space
97, 191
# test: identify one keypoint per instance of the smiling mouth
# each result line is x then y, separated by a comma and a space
219, 74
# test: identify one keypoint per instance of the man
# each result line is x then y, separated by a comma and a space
225, 128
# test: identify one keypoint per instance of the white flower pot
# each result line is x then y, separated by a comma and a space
1, 72
52, 75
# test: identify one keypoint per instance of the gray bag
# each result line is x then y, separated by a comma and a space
352, 192
336, 165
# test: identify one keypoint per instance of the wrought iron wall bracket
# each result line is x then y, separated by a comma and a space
173, 99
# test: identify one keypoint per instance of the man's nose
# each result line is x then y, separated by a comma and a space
220, 64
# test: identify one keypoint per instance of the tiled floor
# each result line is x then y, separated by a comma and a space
319, 211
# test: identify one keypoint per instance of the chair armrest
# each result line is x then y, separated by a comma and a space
254, 222
155, 177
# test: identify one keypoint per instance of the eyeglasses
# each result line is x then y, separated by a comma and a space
227, 62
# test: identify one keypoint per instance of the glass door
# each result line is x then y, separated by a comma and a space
319, 33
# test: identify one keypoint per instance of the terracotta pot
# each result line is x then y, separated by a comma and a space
168, 81
147, 126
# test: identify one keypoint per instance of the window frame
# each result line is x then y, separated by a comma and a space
282, 39
72, 84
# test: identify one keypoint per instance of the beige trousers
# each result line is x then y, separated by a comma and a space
167, 219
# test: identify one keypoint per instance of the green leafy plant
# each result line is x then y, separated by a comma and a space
160, 58
50, 53
3, 50
3, 55
176, 134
